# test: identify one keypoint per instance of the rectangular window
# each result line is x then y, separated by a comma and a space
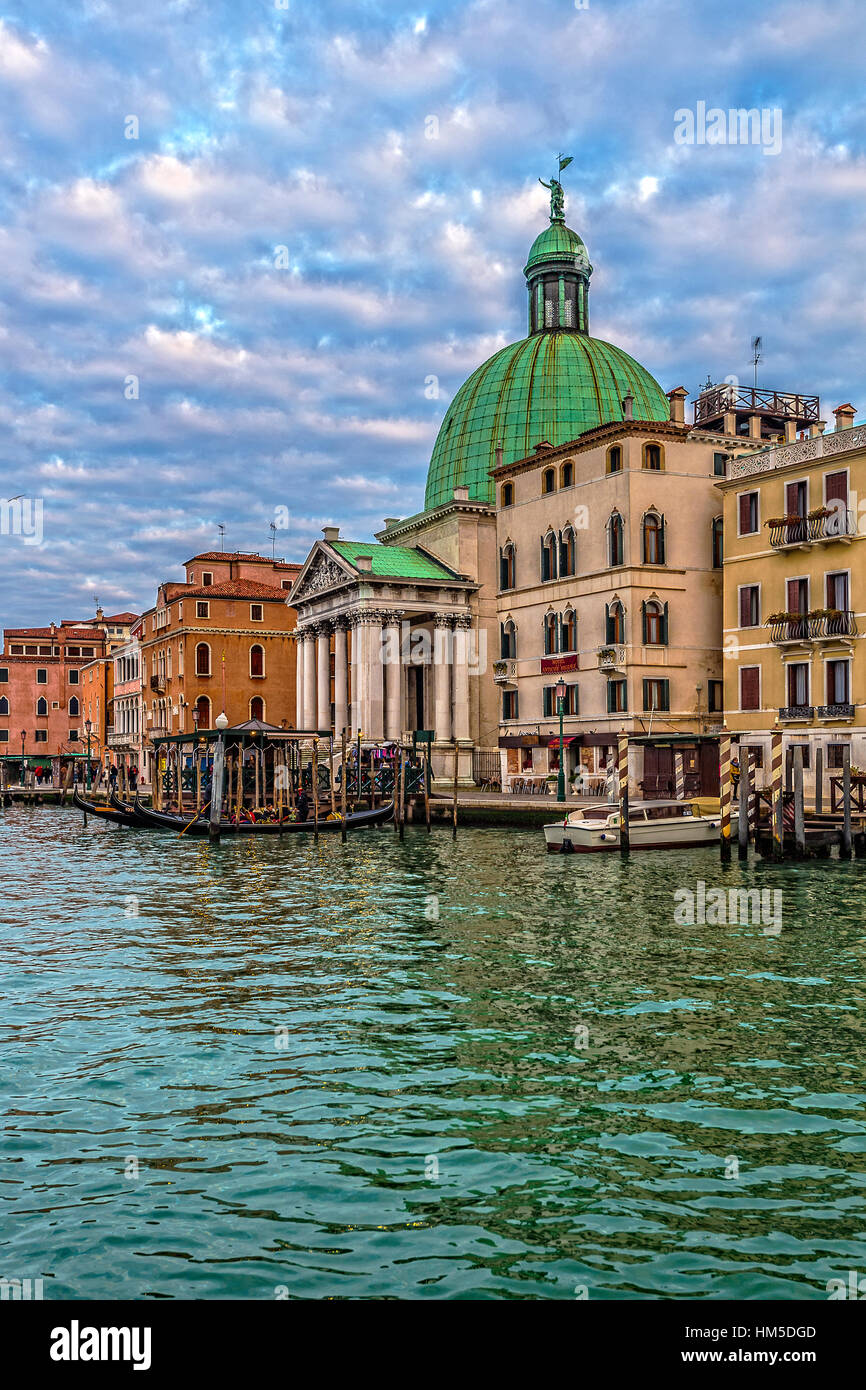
835, 754
790, 757
837, 591
796, 499
73, 735
548, 701
509, 704
656, 694
838, 683
41, 735
616, 697
4, 735
798, 683
836, 487
285, 583
750, 687
719, 465
41, 676
748, 513
202, 610
715, 697
206, 579
750, 605
798, 596
4, 673
72, 677
257, 612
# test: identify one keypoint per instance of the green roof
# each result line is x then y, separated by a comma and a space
394, 561
556, 243
552, 386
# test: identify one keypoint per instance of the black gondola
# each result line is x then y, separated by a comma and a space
117, 815
165, 820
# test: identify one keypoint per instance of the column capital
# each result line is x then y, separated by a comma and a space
341, 623
463, 620
368, 617
442, 620
392, 617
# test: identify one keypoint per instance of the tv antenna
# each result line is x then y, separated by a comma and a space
222, 531
757, 344
273, 529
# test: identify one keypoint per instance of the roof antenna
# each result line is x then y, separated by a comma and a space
273, 530
222, 531
757, 344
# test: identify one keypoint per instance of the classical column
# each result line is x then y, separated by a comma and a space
462, 625
323, 660
359, 673
374, 728
391, 650
442, 652
309, 720
300, 655
341, 675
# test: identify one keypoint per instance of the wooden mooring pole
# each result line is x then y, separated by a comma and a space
216, 790
819, 781
344, 772
725, 798
777, 798
315, 769
622, 769
799, 810
743, 805
427, 786
454, 799
845, 843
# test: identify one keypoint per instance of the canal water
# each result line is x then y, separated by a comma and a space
424, 1070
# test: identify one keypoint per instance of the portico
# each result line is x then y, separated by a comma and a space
386, 645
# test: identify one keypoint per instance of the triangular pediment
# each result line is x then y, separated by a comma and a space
321, 571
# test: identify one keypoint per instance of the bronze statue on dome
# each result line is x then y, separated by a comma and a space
557, 197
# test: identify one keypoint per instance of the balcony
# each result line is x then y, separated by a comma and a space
505, 671
157, 683
836, 711
121, 739
821, 526
611, 657
796, 714
821, 625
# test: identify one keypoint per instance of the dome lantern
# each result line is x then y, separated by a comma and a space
557, 273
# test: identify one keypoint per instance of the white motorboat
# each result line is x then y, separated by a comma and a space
651, 825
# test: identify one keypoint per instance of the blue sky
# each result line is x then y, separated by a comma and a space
296, 379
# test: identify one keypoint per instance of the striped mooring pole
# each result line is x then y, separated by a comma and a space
680, 774
725, 797
777, 796
622, 769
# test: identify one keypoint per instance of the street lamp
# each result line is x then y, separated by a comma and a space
560, 701
88, 726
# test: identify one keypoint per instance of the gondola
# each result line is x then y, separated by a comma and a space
165, 820
117, 815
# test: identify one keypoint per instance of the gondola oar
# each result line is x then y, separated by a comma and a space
196, 817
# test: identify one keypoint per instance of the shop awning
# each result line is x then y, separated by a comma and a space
553, 741
519, 741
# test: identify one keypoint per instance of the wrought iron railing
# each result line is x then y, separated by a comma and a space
842, 711
799, 712
825, 524
812, 627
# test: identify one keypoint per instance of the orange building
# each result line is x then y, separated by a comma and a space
41, 704
219, 643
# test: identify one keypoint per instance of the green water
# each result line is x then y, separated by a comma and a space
279, 1069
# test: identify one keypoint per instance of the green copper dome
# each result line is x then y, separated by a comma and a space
551, 385
556, 243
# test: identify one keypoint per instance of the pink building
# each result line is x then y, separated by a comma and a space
41, 706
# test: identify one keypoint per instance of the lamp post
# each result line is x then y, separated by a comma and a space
23, 740
560, 701
88, 726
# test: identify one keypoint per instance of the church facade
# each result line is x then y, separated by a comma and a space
569, 549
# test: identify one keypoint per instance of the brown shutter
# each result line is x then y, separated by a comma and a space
745, 614
836, 487
749, 687
794, 591
745, 513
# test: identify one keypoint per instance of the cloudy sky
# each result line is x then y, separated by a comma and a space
329, 203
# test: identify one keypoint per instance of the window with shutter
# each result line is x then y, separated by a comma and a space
750, 687
836, 487
748, 513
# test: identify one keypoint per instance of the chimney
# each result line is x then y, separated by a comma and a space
817, 428
845, 415
392, 521
331, 533
628, 407
461, 494
677, 399
364, 562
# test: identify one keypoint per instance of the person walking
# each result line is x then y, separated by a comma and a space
303, 804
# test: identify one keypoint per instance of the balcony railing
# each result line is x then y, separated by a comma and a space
504, 670
611, 657
157, 683
820, 625
121, 739
836, 711
791, 713
824, 524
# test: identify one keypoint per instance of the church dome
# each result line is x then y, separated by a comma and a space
552, 385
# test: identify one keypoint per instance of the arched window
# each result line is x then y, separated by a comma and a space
568, 631
506, 566
566, 474
655, 623
615, 540
548, 480
653, 457
718, 542
614, 622
567, 557
202, 659
548, 556
614, 458
508, 640
653, 531
257, 707
551, 633
257, 660
202, 706
4, 705
74, 706
507, 494
41, 706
